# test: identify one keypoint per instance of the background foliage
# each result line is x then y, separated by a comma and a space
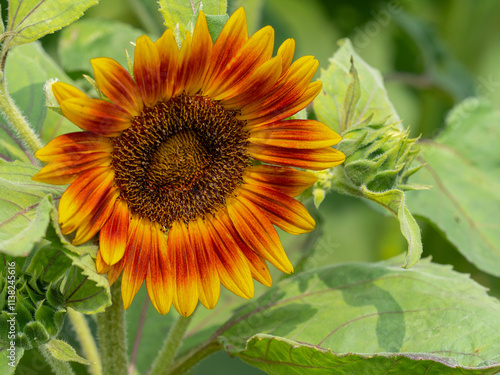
432, 56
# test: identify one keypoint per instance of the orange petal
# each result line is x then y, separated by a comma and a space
168, 51
115, 270
264, 78
136, 264
286, 51
230, 40
96, 115
115, 82
233, 268
199, 59
258, 232
114, 234
83, 196
183, 68
257, 50
63, 91
185, 269
147, 70
159, 275
283, 211
257, 263
68, 170
308, 159
77, 144
97, 219
285, 180
299, 134
208, 281
100, 265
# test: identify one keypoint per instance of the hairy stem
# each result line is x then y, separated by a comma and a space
86, 340
185, 363
57, 366
170, 346
112, 335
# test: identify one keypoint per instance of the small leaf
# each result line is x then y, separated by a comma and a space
352, 96
64, 352
25, 208
216, 24
9, 359
185, 13
370, 318
32, 19
394, 201
373, 100
463, 167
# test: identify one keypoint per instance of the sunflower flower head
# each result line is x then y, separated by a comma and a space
188, 167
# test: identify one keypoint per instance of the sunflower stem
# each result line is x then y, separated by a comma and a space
86, 340
185, 363
58, 367
15, 118
111, 331
174, 340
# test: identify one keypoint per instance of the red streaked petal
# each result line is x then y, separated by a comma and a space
115, 82
258, 232
159, 275
185, 269
257, 50
264, 78
297, 134
283, 211
63, 91
147, 70
288, 106
317, 159
183, 68
257, 263
115, 270
199, 59
68, 170
136, 265
94, 223
232, 37
233, 268
208, 280
81, 198
96, 115
114, 234
168, 51
289, 181
292, 84
73, 144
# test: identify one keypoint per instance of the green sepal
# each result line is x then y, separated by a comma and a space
36, 333
352, 96
360, 171
45, 315
64, 352
384, 180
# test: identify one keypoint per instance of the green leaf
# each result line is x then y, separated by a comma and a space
2, 26
9, 362
216, 24
25, 208
28, 68
64, 352
87, 39
394, 201
370, 318
463, 168
183, 14
373, 100
29, 20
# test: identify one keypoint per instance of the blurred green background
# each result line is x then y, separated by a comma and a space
432, 55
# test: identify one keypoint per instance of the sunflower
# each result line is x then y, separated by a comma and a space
188, 167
